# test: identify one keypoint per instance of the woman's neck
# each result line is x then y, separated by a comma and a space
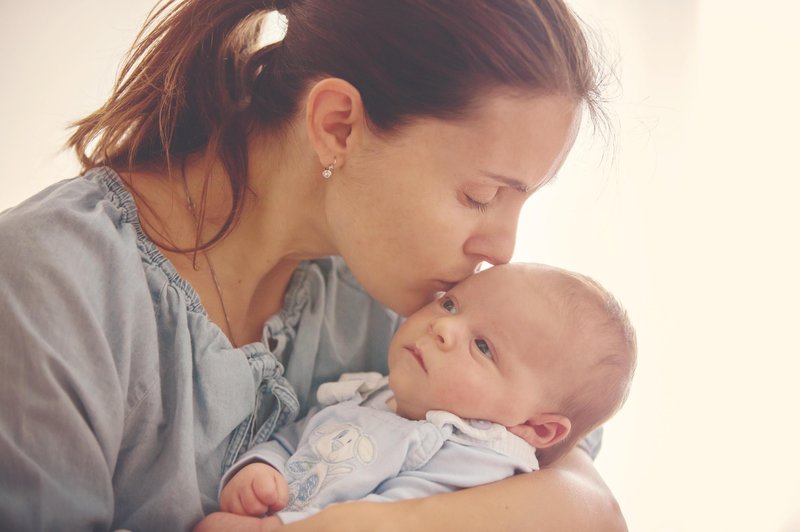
242, 279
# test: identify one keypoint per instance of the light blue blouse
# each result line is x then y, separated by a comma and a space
122, 404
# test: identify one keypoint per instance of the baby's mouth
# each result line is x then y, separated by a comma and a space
417, 354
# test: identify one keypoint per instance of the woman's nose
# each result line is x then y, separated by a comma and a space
495, 244
492, 249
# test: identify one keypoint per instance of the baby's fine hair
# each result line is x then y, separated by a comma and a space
603, 341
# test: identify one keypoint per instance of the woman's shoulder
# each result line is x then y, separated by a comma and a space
74, 234
85, 211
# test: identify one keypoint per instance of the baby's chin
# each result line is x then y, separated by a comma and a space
406, 411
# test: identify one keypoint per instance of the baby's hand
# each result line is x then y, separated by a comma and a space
255, 490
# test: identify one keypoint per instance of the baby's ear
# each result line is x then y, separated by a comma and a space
544, 430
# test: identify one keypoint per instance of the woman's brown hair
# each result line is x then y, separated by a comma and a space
197, 80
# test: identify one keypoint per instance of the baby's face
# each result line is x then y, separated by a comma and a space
486, 349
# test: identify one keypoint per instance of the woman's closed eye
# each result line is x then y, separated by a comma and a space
475, 204
482, 198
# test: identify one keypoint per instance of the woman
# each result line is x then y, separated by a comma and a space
180, 300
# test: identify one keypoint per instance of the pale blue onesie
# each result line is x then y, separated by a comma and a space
360, 449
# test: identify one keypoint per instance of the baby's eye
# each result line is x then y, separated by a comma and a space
449, 305
483, 347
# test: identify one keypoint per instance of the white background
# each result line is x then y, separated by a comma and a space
689, 215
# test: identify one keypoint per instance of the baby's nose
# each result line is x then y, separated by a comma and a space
442, 331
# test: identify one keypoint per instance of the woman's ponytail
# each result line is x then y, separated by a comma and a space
182, 89
181, 82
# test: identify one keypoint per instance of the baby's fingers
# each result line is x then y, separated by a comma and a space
271, 490
229, 500
250, 501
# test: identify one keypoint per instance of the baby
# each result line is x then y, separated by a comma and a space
502, 374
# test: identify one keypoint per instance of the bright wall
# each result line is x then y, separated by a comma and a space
688, 215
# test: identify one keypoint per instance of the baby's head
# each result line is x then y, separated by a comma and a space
546, 352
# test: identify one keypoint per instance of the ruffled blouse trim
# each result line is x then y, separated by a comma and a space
283, 323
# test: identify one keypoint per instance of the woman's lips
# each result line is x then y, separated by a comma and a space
417, 354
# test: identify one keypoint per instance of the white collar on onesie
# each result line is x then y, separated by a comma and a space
350, 386
485, 434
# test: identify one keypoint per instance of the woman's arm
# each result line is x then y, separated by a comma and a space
568, 495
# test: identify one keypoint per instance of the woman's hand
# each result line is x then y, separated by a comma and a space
227, 522
360, 516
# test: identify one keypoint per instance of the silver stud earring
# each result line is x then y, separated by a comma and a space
328, 172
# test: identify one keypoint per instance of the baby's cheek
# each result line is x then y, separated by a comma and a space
464, 393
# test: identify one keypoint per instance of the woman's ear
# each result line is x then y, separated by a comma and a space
334, 119
544, 430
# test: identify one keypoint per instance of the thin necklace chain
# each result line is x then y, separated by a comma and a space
217, 286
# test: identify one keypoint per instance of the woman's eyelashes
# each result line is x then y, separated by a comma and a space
482, 200
482, 206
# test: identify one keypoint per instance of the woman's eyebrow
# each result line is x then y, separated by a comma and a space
516, 184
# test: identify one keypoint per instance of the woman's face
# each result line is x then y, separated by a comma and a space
415, 213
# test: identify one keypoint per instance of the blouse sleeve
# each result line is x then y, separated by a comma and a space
67, 321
